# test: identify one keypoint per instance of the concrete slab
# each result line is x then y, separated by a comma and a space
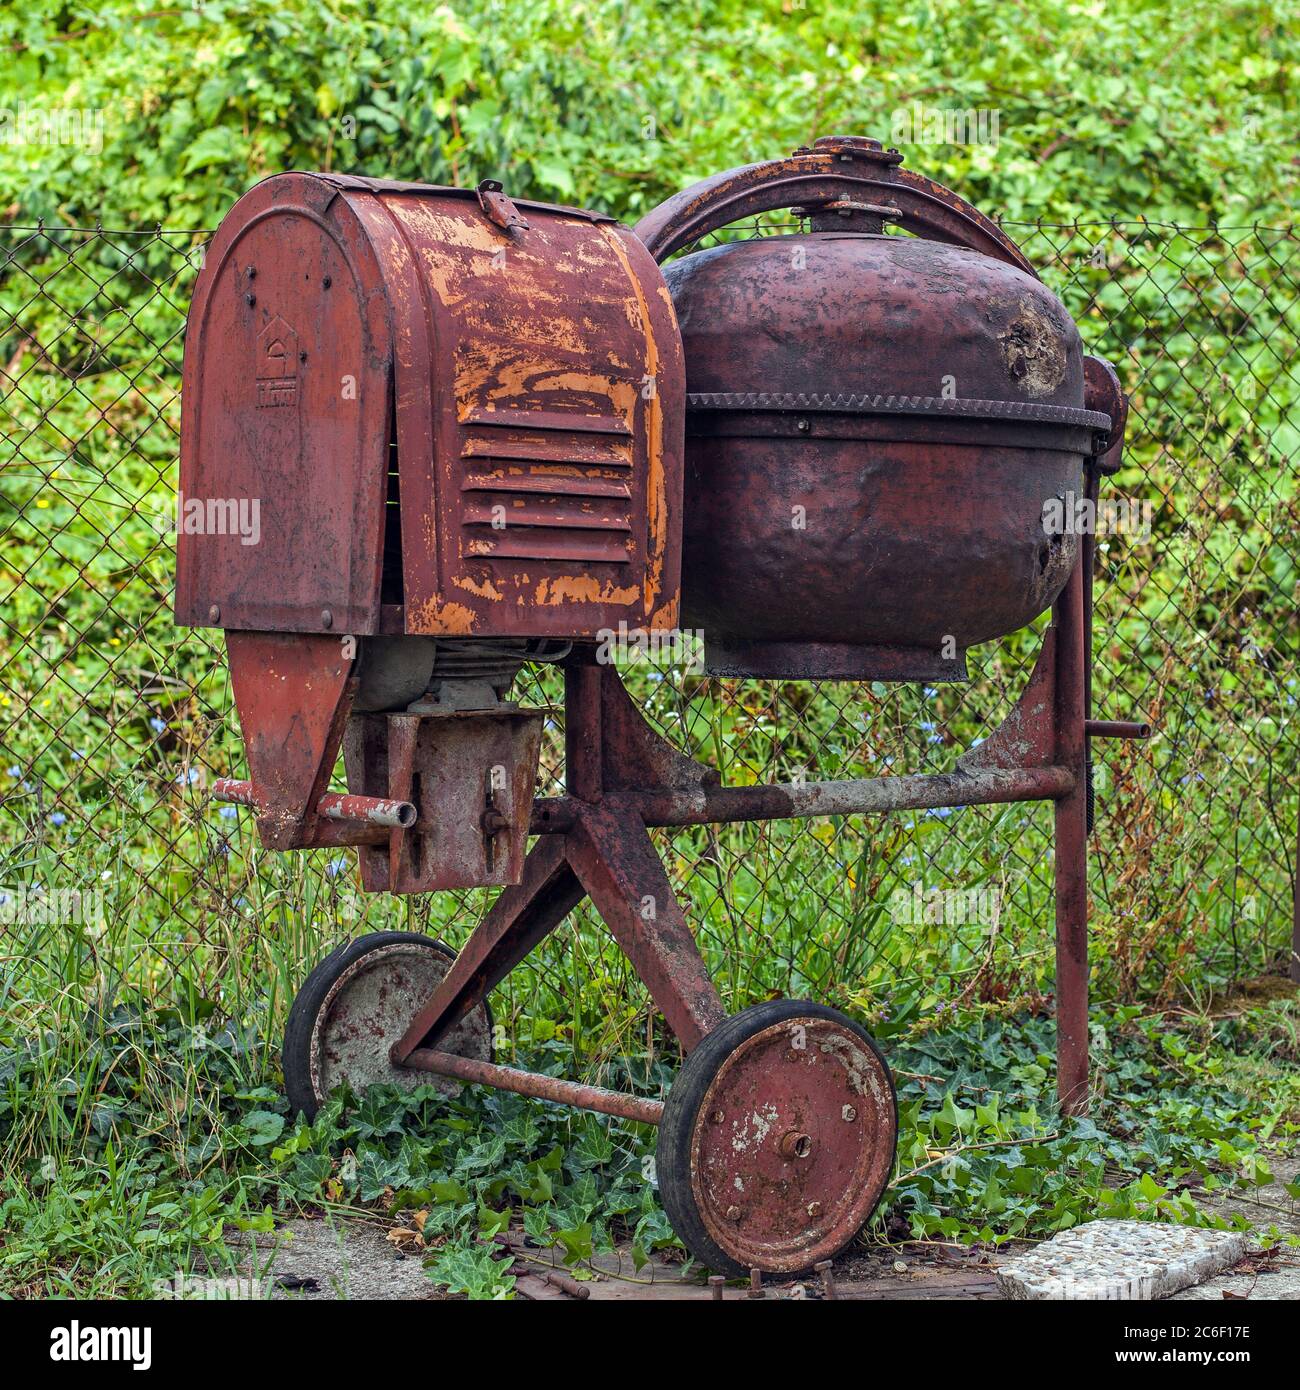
1106, 1260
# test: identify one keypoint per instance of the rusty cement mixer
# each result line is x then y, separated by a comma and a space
485, 432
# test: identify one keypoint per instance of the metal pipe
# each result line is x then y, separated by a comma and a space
860, 796
531, 1083
236, 792
1115, 728
798, 800
369, 810
338, 806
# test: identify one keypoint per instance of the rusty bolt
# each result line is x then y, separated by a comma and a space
849, 1113
326, 618
214, 614
250, 299
795, 1144
826, 1270
252, 272
716, 1281
734, 1213
814, 1208
756, 1284
717, 1117
327, 282
803, 426
493, 822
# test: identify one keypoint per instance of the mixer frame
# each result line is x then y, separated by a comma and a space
624, 779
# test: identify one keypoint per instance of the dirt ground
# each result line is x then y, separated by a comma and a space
319, 1259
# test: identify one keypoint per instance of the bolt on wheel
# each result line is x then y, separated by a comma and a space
359, 1001
777, 1139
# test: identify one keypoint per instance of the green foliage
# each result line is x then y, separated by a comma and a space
108, 1201
1131, 108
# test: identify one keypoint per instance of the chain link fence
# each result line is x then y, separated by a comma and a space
113, 722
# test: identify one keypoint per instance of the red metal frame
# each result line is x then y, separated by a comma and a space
624, 778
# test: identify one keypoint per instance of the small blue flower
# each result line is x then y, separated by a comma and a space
228, 812
187, 779
13, 771
336, 866
940, 812
58, 818
78, 757
930, 692
157, 725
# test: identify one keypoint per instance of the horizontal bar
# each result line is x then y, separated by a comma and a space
337, 806
795, 800
1115, 728
236, 792
369, 810
531, 1083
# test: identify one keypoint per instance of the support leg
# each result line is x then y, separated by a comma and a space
1071, 856
1295, 930
612, 855
522, 916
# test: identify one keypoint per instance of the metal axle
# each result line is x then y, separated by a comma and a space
531, 1083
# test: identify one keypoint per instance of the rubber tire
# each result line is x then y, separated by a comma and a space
672, 1151
296, 1054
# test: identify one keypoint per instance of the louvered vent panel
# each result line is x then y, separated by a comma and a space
544, 485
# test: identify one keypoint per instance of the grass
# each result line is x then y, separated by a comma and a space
134, 1142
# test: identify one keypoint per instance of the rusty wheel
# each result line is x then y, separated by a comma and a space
777, 1139
355, 1004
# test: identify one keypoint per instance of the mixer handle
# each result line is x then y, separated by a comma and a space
856, 173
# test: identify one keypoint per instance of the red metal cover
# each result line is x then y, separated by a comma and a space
527, 378
284, 421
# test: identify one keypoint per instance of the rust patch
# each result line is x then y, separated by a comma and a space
1033, 351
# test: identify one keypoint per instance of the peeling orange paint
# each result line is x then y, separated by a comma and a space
486, 589
583, 588
449, 619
